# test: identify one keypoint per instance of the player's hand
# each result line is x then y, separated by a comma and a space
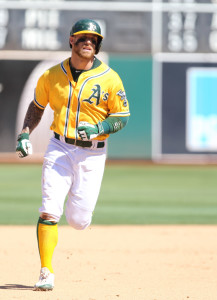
87, 131
24, 147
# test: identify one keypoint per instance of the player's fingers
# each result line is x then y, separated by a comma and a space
83, 135
20, 154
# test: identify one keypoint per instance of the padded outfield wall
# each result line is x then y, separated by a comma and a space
134, 141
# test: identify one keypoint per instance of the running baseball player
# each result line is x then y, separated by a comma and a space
89, 103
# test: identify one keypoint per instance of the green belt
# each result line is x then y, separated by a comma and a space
80, 143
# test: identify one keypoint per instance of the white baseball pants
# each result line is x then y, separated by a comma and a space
74, 173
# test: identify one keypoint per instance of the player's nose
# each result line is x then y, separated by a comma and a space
88, 41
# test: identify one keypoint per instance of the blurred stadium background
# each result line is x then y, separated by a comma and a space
166, 55
164, 51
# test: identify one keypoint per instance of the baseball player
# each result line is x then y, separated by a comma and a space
89, 103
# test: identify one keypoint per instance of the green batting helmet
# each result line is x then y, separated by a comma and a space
88, 26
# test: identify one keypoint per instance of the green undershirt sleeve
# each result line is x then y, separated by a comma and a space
114, 124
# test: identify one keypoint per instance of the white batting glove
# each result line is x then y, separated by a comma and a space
24, 147
87, 131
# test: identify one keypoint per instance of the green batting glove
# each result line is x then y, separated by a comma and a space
24, 147
87, 131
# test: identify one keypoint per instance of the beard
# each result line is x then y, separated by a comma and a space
84, 54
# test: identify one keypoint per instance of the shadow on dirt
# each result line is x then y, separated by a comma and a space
15, 287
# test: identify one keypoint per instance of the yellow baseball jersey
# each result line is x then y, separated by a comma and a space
98, 94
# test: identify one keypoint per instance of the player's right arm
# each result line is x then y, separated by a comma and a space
32, 119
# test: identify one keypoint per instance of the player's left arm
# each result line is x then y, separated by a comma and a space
110, 125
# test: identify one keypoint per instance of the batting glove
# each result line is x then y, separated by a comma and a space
87, 131
24, 147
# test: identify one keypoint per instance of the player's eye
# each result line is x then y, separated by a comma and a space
84, 39
81, 40
93, 41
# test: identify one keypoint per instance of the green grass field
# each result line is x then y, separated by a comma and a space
129, 195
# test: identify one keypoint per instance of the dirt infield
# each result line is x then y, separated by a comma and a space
114, 262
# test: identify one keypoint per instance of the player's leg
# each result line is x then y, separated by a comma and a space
84, 192
56, 182
47, 235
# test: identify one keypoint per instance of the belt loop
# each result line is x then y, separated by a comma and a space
94, 144
62, 139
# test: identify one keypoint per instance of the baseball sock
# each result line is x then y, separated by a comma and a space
47, 235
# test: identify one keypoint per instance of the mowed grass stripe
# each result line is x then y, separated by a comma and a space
129, 195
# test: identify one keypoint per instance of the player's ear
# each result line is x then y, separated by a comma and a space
71, 39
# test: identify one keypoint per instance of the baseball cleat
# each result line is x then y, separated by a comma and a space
46, 281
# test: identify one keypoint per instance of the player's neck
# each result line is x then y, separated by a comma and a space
81, 63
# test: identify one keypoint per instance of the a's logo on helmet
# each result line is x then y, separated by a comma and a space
92, 27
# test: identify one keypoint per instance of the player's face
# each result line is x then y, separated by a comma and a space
84, 45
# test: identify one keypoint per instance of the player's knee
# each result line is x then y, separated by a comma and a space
77, 217
78, 222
